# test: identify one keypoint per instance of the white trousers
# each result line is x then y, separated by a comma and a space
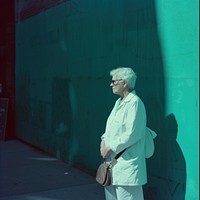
116, 192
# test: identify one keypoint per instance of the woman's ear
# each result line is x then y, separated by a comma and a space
125, 84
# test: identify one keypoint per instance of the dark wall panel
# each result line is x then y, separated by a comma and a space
7, 62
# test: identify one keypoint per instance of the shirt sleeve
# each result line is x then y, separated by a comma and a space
134, 127
111, 113
103, 136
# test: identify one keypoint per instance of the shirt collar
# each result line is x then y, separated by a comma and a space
129, 97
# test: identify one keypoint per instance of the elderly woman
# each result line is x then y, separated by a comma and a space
125, 129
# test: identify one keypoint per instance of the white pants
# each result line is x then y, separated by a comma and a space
115, 192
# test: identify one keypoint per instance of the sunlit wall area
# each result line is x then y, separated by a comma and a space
178, 30
63, 97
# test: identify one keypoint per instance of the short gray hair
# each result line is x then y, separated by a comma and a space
127, 74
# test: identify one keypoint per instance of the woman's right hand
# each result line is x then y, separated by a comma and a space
105, 151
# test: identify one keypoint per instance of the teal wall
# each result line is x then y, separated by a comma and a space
62, 83
178, 30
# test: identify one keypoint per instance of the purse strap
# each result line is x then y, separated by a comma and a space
119, 154
113, 162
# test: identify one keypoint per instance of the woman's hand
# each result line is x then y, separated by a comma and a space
105, 151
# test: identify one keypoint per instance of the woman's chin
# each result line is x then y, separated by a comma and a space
115, 92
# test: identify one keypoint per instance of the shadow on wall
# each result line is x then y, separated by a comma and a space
167, 168
61, 116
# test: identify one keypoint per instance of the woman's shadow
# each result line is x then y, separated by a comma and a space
167, 167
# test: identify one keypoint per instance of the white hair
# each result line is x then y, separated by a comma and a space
127, 74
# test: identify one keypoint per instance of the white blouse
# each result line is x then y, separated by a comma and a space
125, 128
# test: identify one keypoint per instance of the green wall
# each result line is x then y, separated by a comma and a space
63, 95
178, 30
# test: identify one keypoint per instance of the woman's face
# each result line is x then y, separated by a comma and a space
117, 85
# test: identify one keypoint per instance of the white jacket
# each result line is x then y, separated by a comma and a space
125, 128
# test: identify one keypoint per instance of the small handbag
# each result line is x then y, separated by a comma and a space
103, 175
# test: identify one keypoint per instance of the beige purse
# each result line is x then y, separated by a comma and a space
103, 175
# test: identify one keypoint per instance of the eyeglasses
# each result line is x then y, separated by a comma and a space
115, 82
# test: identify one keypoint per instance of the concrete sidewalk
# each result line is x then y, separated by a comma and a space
28, 174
